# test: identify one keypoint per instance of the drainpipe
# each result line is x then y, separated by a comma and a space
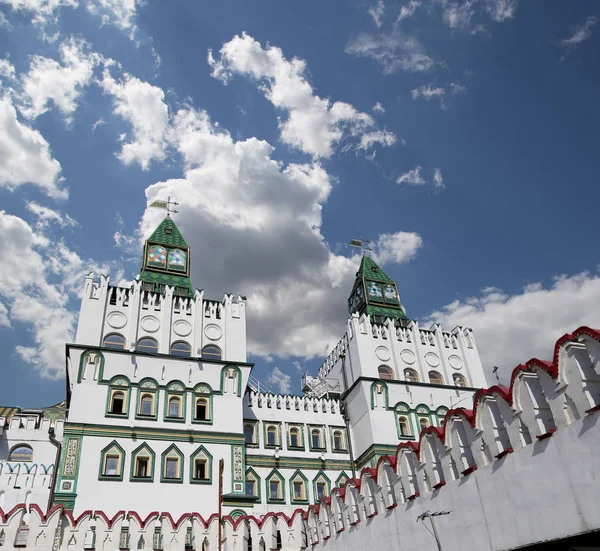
58, 445
346, 418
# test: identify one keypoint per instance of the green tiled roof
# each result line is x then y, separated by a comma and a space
168, 233
384, 311
369, 270
167, 279
8, 411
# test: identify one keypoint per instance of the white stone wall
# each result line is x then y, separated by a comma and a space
27, 482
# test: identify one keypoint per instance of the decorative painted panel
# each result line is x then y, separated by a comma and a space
157, 256
391, 294
177, 259
238, 469
374, 290
71, 457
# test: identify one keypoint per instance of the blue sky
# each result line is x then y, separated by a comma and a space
460, 136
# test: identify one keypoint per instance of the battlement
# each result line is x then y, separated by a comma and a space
292, 403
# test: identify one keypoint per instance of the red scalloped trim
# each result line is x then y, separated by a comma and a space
439, 484
546, 434
503, 453
392, 506
414, 496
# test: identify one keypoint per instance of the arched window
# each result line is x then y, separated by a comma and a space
411, 375
294, 437
114, 340
147, 405
175, 407
386, 372
423, 422
201, 409
211, 352
315, 439
117, 402
147, 344
404, 425
459, 380
21, 452
338, 440
271, 435
181, 349
435, 378
249, 433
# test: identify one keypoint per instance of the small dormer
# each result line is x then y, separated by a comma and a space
166, 261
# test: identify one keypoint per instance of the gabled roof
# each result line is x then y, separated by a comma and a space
167, 233
370, 270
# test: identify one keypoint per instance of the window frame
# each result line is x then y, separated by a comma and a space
274, 474
147, 390
342, 431
257, 483
147, 349
459, 376
114, 347
408, 379
211, 356
144, 447
110, 451
201, 451
298, 476
389, 370
169, 453
16, 447
203, 391
321, 477
437, 375
115, 385
300, 429
254, 443
323, 444
175, 393
180, 355
277, 426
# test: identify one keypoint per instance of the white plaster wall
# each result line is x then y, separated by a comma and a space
27, 482
548, 490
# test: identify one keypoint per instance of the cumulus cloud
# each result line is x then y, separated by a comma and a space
377, 12
392, 52
280, 381
429, 92
511, 329
60, 83
25, 155
313, 124
42, 11
121, 13
378, 108
396, 247
4, 321
46, 216
142, 105
580, 33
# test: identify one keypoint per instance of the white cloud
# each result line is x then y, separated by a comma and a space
7, 70
378, 108
259, 221
143, 107
408, 10
396, 247
97, 124
429, 92
280, 380
501, 10
511, 329
120, 13
46, 216
438, 180
456, 88
25, 155
377, 12
581, 32
43, 11
412, 177
313, 124
4, 321
393, 52
49, 81
458, 16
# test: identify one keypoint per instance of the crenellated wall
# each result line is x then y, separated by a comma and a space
518, 468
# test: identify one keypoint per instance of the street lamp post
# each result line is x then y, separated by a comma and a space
430, 516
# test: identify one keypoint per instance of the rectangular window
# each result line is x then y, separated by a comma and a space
141, 467
320, 490
250, 487
172, 467
200, 469
200, 409
274, 489
294, 441
298, 490
174, 407
111, 467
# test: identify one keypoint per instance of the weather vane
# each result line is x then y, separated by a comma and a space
361, 243
167, 205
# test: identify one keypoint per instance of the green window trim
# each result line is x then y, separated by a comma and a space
103, 455
402, 409
323, 446
82, 358
257, 479
224, 371
142, 448
163, 464
332, 431
209, 466
255, 434
275, 474
294, 478
343, 476
301, 446
385, 393
321, 477
277, 425
141, 392
172, 391
203, 391
116, 384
